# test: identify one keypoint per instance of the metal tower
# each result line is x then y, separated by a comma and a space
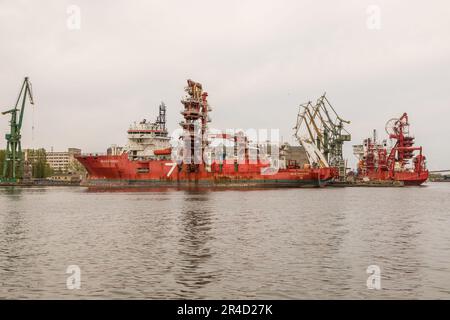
12, 166
195, 124
161, 120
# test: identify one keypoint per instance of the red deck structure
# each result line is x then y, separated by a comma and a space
403, 162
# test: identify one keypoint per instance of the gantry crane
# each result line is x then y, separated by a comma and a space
320, 130
13, 163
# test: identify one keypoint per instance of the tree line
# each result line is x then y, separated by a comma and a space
36, 161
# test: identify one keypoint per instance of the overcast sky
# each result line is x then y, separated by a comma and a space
258, 60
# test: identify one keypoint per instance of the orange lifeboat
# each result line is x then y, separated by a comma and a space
163, 152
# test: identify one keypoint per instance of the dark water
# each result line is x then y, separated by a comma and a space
293, 243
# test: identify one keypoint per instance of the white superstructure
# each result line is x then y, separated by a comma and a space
146, 137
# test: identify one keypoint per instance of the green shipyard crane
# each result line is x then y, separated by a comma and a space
13, 162
321, 131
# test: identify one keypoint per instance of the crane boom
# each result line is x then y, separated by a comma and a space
26, 90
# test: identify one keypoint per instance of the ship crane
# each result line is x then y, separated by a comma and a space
403, 150
12, 166
403, 162
320, 130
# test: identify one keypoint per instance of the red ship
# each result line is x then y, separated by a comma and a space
149, 159
403, 162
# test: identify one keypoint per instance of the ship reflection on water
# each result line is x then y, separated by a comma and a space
191, 267
195, 244
189, 190
129, 189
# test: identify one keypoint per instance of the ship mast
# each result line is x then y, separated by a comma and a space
196, 109
161, 120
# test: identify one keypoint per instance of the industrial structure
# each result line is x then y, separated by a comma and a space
195, 125
207, 158
14, 157
320, 130
403, 162
202, 159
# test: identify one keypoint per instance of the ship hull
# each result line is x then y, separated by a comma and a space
407, 178
119, 171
